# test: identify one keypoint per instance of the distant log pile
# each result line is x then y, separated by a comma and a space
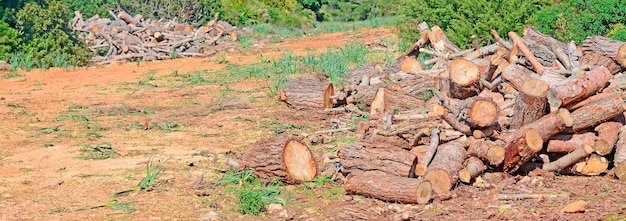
534, 105
128, 38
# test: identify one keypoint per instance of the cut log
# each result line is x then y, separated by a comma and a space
570, 142
581, 87
592, 166
369, 155
482, 113
364, 96
307, 93
420, 168
388, 188
519, 42
516, 75
569, 159
608, 47
127, 18
387, 100
524, 143
488, 151
444, 169
608, 133
547, 49
440, 42
591, 60
464, 79
597, 111
283, 158
414, 49
473, 168
619, 159
531, 103
410, 65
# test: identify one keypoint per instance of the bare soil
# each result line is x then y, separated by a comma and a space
47, 117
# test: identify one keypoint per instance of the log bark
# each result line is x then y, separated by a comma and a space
444, 169
307, 94
608, 133
569, 159
414, 49
388, 188
597, 111
608, 47
464, 79
570, 142
581, 87
516, 75
483, 113
489, 151
519, 42
524, 143
592, 60
473, 168
619, 159
387, 100
420, 168
367, 155
531, 103
283, 158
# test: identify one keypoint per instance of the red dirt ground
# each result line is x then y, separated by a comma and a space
41, 178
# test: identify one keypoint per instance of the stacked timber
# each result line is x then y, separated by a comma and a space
532, 105
129, 38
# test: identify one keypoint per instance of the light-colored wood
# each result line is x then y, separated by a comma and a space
443, 171
370, 155
307, 93
570, 142
464, 78
568, 159
410, 65
608, 133
597, 111
619, 159
483, 113
473, 168
283, 158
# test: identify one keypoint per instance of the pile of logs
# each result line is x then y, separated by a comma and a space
532, 106
128, 38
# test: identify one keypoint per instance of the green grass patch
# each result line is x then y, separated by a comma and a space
170, 126
252, 195
100, 151
13, 75
318, 28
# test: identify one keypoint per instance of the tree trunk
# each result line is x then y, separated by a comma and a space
440, 42
464, 79
444, 169
489, 151
516, 75
473, 168
284, 158
592, 60
387, 100
581, 87
367, 155
524, 143
388, 187
530, 103
307, 94
569, 159
608, 47
597, 111
570, 142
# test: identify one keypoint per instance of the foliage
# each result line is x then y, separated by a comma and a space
45, 34
576, 19
461, 19
99, 152
349, 10
8, 40
152, 171
250, 201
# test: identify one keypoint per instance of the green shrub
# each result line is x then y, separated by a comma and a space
577, 19
8, 40
45, 34
250, 201
460, 19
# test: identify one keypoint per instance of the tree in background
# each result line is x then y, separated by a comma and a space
577, 19
461, 19
46, 37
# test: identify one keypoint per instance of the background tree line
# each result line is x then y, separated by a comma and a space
37, 29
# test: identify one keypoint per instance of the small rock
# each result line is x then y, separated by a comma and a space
327, 160
232, 163
4, 66
347, 198
211, 216
575, 207
277, 210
